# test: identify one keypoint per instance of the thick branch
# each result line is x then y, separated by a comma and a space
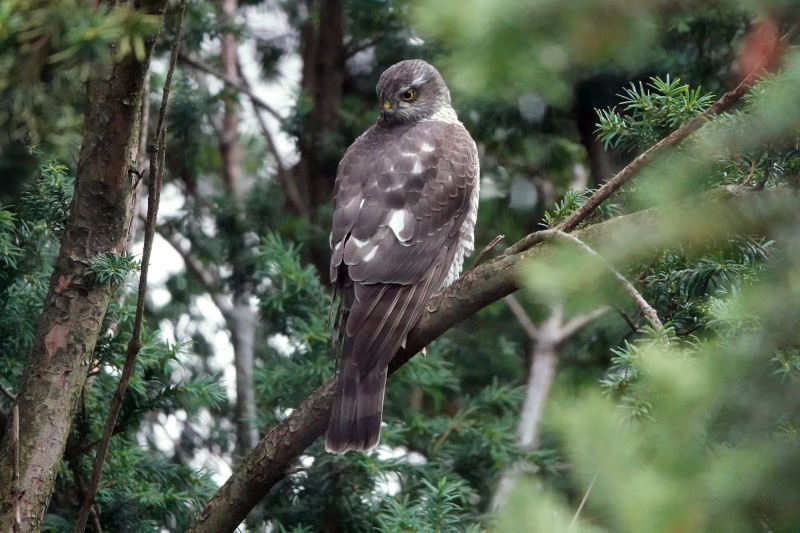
734, 211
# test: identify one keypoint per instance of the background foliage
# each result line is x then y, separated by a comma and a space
691, 429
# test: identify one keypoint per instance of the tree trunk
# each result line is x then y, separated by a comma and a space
100, 217
229, 143
323, 54
243, 332
242, 320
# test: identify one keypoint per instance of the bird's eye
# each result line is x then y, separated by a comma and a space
409, 95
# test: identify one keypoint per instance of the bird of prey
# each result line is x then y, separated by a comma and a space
406, 199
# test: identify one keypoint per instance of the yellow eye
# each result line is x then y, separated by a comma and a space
409, 95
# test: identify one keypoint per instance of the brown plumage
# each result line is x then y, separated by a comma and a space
406, 198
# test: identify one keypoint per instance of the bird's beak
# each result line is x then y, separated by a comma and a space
387, 109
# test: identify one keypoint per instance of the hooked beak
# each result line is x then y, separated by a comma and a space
387, 109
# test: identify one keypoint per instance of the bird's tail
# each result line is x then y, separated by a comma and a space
355, 422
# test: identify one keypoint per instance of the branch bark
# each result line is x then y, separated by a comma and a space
725, 102
100, 216
734, 211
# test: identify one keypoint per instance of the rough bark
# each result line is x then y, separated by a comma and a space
100, 217
734, 211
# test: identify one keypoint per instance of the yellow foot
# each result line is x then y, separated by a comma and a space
424, 351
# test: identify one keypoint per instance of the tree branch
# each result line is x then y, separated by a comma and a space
233, 84
522, 317
156, 175
292, 192
734, 210
725, 102
7, 393
543, 359
207, 278
646, 309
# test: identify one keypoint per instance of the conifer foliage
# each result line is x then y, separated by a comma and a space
687, 423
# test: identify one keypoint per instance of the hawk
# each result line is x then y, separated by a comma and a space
406, 199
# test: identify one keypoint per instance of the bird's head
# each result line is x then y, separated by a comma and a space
411, 90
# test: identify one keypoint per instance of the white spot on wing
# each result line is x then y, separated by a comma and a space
426, 147
417, 167
397, 221
371, 254
362, 203
359, 242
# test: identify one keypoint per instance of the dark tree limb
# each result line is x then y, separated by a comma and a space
734, 211
157, 157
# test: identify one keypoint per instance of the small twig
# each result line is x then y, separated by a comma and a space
577, 514
522, 316
528, 241
627, 319
443, 437
7, 393
209, 279
485, 251
352, 49
571, 328
646, 309
233, 84
156, 176
750, 174
292, 192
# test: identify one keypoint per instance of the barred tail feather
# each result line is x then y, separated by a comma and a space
355, 422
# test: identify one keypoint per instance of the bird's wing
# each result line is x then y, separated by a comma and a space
401, 197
